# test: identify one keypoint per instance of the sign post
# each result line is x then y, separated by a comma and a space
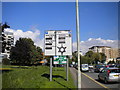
58, 43
50, 69
67, 70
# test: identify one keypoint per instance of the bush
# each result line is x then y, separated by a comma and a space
5, 61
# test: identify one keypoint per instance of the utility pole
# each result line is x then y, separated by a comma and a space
78, 44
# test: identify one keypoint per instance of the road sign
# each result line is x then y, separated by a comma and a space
60, 60
58, 43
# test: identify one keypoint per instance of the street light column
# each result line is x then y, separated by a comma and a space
78, 44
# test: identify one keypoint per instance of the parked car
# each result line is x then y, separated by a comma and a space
110, 66
75, 66
84, 67
91, 68
98, 68
117, 65
110, 75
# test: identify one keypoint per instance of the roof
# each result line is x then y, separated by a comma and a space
112, 68
99, 47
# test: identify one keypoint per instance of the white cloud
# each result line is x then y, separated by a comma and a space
85, 45
34, 35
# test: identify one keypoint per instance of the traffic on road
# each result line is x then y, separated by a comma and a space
106, 76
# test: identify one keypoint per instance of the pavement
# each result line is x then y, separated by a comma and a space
74, 75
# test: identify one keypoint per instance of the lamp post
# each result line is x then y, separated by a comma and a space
78, 44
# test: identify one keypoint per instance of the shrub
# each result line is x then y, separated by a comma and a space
5, 61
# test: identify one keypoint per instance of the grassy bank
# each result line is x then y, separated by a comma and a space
35, 77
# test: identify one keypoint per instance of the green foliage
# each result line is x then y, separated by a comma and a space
102, 57
92, 57
111, 62
84, 60
25, 52
74, 56
5, 61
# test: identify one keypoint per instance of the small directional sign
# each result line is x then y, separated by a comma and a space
58, 42
60, 60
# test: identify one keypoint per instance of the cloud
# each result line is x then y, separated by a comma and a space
34, 35
85, 45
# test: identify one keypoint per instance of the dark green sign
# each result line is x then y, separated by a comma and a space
60, 60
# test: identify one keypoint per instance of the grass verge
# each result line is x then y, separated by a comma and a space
35, 77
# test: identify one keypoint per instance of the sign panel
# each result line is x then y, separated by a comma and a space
58, 43
60, 60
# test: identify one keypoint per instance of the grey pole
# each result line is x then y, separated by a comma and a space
67, 70
50, 69
78, 43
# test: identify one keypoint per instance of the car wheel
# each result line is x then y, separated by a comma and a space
105, 81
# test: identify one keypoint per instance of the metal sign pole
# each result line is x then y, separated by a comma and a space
78, 44
50, 69
67, 70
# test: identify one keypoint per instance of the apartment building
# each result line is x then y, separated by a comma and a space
6, 42
111, 53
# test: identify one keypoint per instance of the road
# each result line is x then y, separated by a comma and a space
95, 77
90, 81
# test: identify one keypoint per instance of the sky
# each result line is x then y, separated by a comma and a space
98, 21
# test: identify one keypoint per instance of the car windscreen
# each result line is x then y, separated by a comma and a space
112, 66
114, 70
101, 66
84, 65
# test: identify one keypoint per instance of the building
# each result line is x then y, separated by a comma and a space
111, 53
6, 42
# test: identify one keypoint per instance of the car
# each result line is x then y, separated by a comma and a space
117, 65
84, 67
98, 68
75, 66
70, 65
91, 68
109, 75
110, 65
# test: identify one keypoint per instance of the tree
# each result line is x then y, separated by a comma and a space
74, 56
25, 52
90, 55
111, 62
5, 61
95, 57
102, 57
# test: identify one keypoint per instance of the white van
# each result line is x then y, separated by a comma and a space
84, 67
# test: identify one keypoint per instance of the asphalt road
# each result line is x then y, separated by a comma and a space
90, 81
95, 77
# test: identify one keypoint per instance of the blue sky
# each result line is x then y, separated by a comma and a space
97, 19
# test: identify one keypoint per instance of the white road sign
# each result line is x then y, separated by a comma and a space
58, 42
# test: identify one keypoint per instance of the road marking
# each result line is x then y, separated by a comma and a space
5, 68
96, 81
